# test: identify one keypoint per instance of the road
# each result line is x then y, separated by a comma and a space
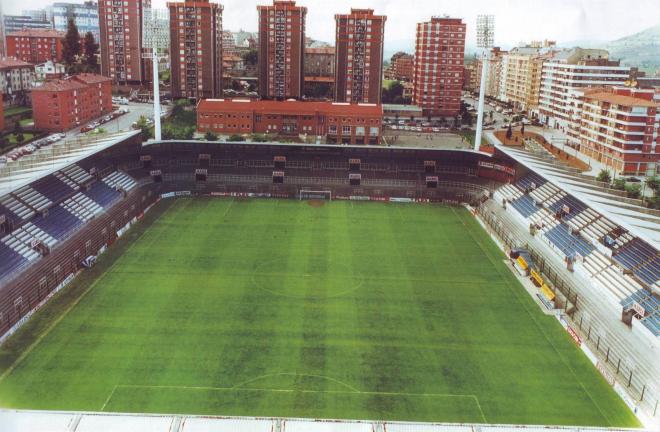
121, 123
498, 117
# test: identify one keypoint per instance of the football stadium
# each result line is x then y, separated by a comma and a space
291, 287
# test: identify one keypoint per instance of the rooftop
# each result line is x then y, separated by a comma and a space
288, 107
11, 63
44, 33
91, 78
60, 85
604, 95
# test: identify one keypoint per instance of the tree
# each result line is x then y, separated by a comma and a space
71, 45
251, 57
633, 190
604, 176
653, 183
393, 93
619, 184
210, 136
144, 127
509, 133
236, 138
167, 133
20, 137
91, 50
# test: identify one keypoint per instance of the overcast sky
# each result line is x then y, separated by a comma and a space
516, 20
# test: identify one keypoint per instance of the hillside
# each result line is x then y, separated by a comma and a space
640, 49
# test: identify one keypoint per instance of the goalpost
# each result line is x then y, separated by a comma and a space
307, 194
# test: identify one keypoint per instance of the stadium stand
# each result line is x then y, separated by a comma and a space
32, 198
525, 205
10, 260
52, 188
102, 194
16, 209
59, 222
643, 300
568, 243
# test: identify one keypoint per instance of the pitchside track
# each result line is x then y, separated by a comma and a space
279, 308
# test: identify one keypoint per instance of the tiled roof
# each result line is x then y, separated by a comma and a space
606, 96
59, 85
91, 78
289, 107
44, 33
8, 63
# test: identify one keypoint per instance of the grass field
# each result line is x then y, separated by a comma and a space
281, 308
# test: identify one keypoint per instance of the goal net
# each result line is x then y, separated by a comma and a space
306, 194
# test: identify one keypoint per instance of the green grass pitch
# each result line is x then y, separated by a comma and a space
281, 308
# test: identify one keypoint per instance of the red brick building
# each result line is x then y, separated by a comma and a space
438, 77
62, 104
359, 56
281, 50
403, 66
120, 23
35, 45
620, 128
196, 49
339, 122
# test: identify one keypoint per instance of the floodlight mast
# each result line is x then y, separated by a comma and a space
485, 35
151, 24
156, 79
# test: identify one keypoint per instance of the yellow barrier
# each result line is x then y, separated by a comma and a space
547, 292
523, 264
537, 278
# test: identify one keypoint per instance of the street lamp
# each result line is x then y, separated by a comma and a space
485, 35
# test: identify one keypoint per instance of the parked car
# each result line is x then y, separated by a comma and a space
86, 128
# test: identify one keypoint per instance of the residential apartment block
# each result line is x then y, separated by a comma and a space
359, 56
62, 104
438, 77
569, 71
14, 23
196, 49
281, 50
320, 64
16, 78
84, 15
520, 75
403, 66
494, 72
35, 45
338, 122
620, 128
120, 23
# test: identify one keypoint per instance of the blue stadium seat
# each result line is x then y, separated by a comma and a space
573, 203
525, 206
59, 223
526, 181
103, 194
568, 243
10, 260
52, 188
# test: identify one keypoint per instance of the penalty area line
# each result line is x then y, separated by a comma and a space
274, 390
